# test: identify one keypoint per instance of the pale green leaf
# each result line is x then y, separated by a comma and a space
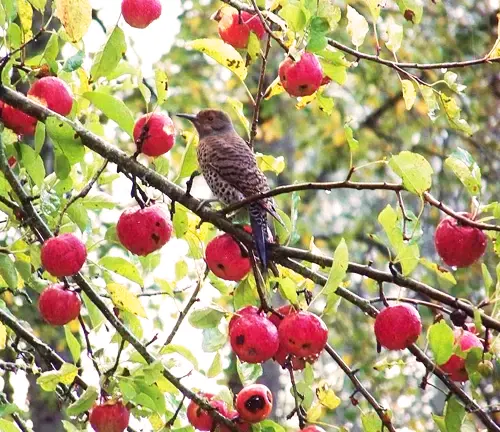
357, 26
25, 14
106, 60
237, 108
181, 350
270, 163
338, 269
466, 169
122, 267
8, 426
216, 366
73, 344
65, 375
412, 10
65, 139
430, 100
441, 272
33, 164
3, 336
349, 136
374, 6
295, 16
123, 299
84, 402
8, 271
248, 372
453, 111
371, 422
414, 170
454, 415
395, 36
222, 53
161, 81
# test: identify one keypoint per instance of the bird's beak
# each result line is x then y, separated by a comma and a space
190, 117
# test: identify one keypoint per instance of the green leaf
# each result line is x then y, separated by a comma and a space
453, 111
349, 136
205, 318
216, 366
181, 350
78, 214
8, 426
430, 99
441, 340
84, 402
374, 6
407, 254
106, 60
357, 26
439, 420
122, 267
73, 344
39, 136
74, 62
25, 14
222, 53
161, 83
295, 16
245, 293
33, 164
395, 36
180, 221
287, 288
414, 170
488, 281
270, 426
237, 108
409, 93
412, 10
466, 169
8, 271
371, 422
248, 372
338, 269
38, 4
65, 375
454, 415
325, 104
113, 108
213, 339
66, 140
253, 47
189, 162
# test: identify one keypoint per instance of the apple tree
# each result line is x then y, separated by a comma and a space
130, 302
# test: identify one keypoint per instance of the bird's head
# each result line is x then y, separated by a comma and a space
209, 122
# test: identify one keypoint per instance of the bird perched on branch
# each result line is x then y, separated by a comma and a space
230, 170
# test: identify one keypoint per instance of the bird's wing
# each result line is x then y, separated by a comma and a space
235, 162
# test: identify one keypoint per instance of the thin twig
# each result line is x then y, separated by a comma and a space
296, 397
267, 28
90, 352
413, 301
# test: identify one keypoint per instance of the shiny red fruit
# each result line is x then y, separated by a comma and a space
254, 339
303, 334
455, 366
302, 77
141, 13
63, 255
225, 258
398, 326
459, 245
53, 93
154, 134
58, 305
247, 310
199, 418
235, 28
109, 417
144, 230
254, 403
19, 122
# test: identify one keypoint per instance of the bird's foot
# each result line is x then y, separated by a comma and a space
205, 202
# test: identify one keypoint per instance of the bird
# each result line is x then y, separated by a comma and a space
230, 169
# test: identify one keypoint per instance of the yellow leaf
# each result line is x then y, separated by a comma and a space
275, 88
25, 12
305, 100
75, 16
65, 375
222, 53
409, 93
315, 412
327, 397
3, 336
123, 299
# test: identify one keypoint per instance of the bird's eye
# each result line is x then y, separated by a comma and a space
210, 118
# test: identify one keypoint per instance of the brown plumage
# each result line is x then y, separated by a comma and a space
230, 170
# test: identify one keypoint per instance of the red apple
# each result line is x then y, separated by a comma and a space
54, 93
398, 326
109, 417
302, 77
235, 28
18, 121
143, 231
457, 244
254, 403
58, 305
154, 134
63, 255
201, 419
140, 13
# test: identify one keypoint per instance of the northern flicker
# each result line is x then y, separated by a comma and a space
230, 170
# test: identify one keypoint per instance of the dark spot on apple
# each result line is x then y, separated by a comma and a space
221, 266
155, 238
240, 340
255, 403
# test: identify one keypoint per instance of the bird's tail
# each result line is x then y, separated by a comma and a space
258, 221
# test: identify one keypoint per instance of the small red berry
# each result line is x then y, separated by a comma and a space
18, 121
143, 231
459, 245
109, 417
398, 326
63, 255
54, 93
455, 366
254, 403
254, 339
140, 13
247, 310
199, 418
58, 305
302, 77
154, 134
303, 334
225, 258
235, 28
